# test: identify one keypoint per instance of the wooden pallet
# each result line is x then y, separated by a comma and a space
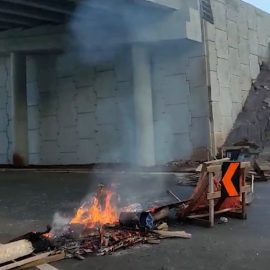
34, 260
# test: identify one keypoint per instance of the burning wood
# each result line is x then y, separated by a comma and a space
98, 211
98, 228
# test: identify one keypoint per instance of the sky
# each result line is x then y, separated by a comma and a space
262, 4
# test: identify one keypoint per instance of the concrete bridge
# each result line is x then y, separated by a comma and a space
145, 81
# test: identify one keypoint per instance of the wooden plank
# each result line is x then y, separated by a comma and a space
217, 161
52, 258
152, 241
226, 148
25, 261
245, 165
15, 250
245, 189
173, 234
207, 214
243, 201
214, 168
46, 267
199, 168
211, 202
244, 215
214, 195
217, 168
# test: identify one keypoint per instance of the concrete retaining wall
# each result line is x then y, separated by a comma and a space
237, 44
82, 114
180, 101
79, 113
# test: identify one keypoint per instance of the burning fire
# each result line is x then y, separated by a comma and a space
99, 211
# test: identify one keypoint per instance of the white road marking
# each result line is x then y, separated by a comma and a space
46, 267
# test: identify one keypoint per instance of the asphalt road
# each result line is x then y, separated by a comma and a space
28, 201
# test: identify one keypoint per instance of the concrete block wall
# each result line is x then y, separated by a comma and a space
82, 113
5, 111
79, 112
237, 44
180, 102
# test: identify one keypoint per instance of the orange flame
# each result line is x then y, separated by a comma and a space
97, 213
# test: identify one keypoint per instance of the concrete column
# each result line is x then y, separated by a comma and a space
20, 122
143, 104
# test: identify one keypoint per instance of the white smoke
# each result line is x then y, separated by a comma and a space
58, 223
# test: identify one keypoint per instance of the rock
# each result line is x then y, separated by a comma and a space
266, 87
267, 101
223, 220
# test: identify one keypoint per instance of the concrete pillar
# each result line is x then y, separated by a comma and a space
268, 60
143, 105
20, 122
